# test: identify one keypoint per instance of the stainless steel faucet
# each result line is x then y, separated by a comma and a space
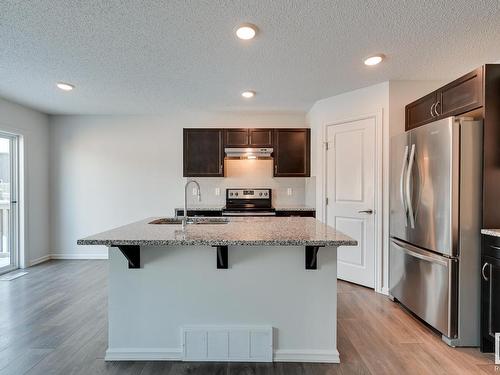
185, 219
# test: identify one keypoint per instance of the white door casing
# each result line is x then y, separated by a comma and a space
351, 189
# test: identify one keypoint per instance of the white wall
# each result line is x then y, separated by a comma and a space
32, 126
110, 170
387, 100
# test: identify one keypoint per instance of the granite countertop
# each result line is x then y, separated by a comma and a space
213, 207
255, 231
491, 232
294, 208
297, 207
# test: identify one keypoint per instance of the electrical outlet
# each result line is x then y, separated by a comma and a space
195, 191
289, 191
217, 191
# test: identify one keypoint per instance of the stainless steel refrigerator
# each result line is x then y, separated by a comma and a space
435, 222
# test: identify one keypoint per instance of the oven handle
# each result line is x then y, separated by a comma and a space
249, 214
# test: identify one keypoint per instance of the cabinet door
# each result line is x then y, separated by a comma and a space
490, 295
236, 137
203, 153
461, 95
260, 137
419, 112
292, 152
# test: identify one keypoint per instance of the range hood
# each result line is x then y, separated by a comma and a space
248, 152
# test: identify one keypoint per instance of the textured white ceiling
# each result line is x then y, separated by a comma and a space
131, 56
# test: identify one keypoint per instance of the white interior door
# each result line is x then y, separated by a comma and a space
350, 188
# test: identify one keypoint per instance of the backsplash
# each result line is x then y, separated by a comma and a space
251, 174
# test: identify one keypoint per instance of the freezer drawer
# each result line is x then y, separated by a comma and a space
425, 283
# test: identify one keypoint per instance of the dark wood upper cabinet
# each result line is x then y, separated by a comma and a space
203, 153
248, 138
204, 149
236, 137
456, 98
260, 137
292, 152
421, 111
461, 95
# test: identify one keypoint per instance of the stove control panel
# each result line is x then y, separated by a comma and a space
248, 193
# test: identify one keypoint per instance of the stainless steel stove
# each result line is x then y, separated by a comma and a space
248, 202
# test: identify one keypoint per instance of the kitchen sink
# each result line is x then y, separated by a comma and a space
191, 220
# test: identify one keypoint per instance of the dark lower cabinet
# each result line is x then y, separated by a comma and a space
199, 213
490, 292
292, 152
203, 153
297, 213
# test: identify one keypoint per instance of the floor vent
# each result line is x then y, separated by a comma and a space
233, 344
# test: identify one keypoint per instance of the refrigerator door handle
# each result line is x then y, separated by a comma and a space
401, 185
408, 181
417, 253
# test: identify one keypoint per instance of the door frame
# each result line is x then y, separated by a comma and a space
381, 257
14, 213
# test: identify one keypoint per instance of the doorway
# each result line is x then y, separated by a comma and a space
9, 207
352, 205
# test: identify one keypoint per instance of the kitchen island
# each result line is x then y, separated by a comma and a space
251, 289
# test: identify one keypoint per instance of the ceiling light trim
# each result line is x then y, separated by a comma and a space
246, 31
374, 59
65, 86
248, 94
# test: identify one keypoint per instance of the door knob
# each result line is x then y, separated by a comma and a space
369, 212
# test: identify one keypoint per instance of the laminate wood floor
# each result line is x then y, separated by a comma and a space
53, 321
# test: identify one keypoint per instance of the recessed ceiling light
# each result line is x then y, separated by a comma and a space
374, 60
65, 86
248, 94
246, 31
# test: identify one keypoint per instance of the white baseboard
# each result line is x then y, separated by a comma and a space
140, 354
384, 290
319, 356
86, 255
39, 260
170, 354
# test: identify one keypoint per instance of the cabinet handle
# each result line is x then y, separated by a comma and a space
432, 109
276, 169
490, 307
220, 168
482, 272
436, 108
